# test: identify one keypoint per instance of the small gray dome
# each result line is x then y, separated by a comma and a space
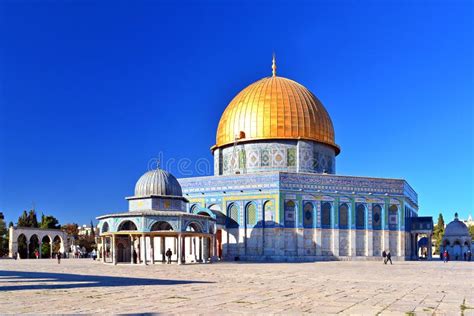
158, 182
456, 228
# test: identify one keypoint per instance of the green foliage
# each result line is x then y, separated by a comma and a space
45, 250
438, 232
92, 230
49, 222
471, 231
71, 230
87, 242
28, 219
3, 238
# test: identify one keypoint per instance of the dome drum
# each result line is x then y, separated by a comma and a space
275, 155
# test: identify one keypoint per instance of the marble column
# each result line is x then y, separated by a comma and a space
39, 250
152, 245
201, 244
429, 246
178, 249
144, 249
114, 257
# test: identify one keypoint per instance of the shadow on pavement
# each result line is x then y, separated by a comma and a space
43, 280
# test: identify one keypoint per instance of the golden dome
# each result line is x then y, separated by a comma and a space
275, 108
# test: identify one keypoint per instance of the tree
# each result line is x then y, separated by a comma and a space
71, 230
92, 230
23, 220
3, 238
49, 222
438, 232
28, 219
471, 231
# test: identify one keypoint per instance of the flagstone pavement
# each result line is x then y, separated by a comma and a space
346, 287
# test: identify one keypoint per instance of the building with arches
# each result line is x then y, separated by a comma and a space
456, 240
157, 220
275, 193
23, 241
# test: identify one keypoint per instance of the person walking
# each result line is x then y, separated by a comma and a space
389, 257
58, 255
168, 255
384, 255
36, 253
445, 256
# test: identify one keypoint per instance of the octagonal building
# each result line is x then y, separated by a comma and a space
275, 193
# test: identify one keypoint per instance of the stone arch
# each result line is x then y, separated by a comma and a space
127, 225
194, 227
161, 226
250, 214
58, 244
326, 214
22, 243
344, 215
233, 213
33, 246
360, 215
308, 215
46, 242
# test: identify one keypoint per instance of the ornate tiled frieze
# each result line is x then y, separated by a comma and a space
281, 155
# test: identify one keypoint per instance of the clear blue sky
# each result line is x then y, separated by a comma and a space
91, 90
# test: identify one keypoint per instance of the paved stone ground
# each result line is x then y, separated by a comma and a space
369, 288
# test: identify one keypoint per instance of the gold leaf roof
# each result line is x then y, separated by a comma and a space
275, 108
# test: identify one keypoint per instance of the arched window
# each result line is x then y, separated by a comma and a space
194, 227
161, 226
325, 214
233, 216
343, 215
376, 216
193, 208
105, 227
308, 215
393, 216
290, 213
269, 213
360, 216
127, 225
251, 215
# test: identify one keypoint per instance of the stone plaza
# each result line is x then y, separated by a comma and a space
343, 287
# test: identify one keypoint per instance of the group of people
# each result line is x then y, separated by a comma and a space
387, 256
168, 255
446, 257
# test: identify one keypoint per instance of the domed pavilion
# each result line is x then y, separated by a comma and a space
275, 193
157, 220
457, 239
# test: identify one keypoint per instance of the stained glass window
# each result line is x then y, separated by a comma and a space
269, 213
360, 216
290, 213
308, 215
326, 214
343, 216
251, 214
233, 215
376, 216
